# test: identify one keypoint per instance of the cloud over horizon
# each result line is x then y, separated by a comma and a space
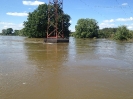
114, 23
33, 3
17, 14
119, 20
14, 26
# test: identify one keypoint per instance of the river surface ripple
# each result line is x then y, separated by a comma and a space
81, 69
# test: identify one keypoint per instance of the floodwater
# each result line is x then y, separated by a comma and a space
81, 69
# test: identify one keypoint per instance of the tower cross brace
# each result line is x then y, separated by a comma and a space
55, 19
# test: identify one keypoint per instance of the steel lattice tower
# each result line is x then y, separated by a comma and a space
55, 19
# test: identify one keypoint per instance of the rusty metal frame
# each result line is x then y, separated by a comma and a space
53, 16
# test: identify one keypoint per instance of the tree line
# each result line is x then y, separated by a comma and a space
7, 31
88, 28
37, 23
11, 32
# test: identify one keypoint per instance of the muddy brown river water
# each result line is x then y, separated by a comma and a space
81, 69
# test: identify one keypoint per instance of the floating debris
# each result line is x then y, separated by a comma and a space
6, 74
24, 83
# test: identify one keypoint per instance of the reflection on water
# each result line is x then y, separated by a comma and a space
82, 69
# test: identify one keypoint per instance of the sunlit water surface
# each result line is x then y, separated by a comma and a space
81, 69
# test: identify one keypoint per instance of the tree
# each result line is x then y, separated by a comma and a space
37, 23
7, 31
66, 24
4, 31
130, 34
106, 32
122, 33
86, 28
16, 32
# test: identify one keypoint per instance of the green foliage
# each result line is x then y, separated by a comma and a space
86, 28
72, 34
37, 23
107, 32
66, 24
16, 32
7, 31
4, 31
122, 33
130, 34
21, 32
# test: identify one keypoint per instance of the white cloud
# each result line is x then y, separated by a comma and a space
124, 4
120, 19
116, 22
70, 21
105, 24
5, 23
125, 19
130, 27
32, 3
109, 21
17, 14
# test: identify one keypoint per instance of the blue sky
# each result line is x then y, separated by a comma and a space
108, 13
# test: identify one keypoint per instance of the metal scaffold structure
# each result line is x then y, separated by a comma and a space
55, 21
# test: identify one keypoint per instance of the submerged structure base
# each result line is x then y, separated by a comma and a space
56, 40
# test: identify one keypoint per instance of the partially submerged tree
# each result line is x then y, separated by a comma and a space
86, 28
107, 32
131, 34
122, 33
16, 32
37, 23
